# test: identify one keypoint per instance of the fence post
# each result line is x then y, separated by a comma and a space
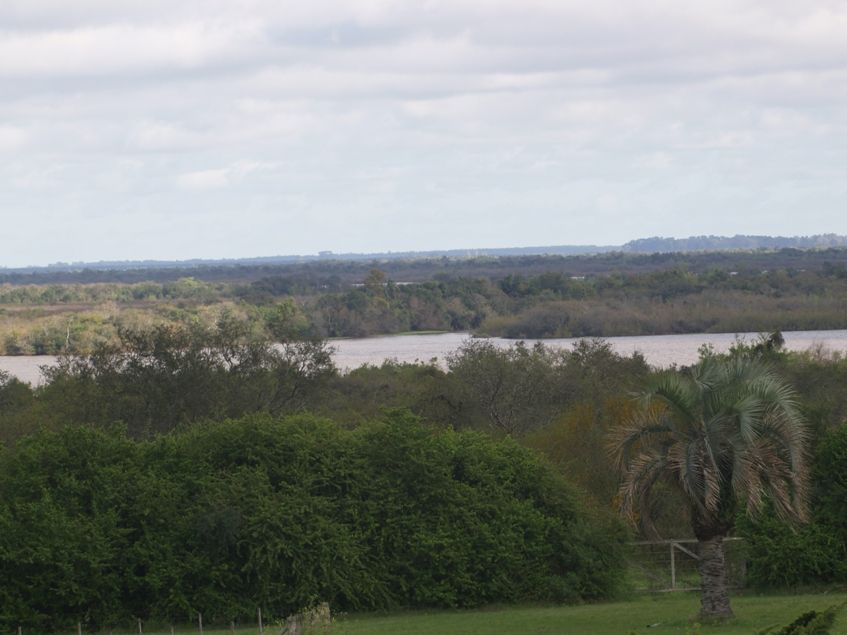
19, 630
261, 630
79, 628
232, 627
673, 566
200, 622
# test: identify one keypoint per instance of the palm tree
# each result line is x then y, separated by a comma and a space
728, 435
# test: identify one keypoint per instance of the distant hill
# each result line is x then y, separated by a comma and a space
656, 244
123, 265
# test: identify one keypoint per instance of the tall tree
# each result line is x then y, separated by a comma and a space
729, 436
514, 388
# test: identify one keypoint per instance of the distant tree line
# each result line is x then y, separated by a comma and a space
54, 318
648, 246
419, 269
657, 244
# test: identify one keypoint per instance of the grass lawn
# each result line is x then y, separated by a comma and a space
669, 612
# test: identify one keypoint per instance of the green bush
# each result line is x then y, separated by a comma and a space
781, 556
281, 514
809, 623
830, 478
814, 553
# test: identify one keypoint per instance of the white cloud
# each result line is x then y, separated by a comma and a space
204, 179
11, 138
115, 49
489, 121
220, 177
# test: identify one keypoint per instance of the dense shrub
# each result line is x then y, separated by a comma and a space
809, 623
781, 556
282, 513
830, 478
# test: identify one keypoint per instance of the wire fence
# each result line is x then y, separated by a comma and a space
672, 565
316, 620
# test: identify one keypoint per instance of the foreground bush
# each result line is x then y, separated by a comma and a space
810, 623
280, 514
814, 553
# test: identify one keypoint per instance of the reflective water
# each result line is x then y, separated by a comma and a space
26, 367
659, 350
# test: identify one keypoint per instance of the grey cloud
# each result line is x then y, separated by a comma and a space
210, 128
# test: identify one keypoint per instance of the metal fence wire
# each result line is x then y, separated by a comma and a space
671, 565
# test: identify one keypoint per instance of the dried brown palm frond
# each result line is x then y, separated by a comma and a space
728, 435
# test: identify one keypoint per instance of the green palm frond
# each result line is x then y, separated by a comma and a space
726, 433
675, 395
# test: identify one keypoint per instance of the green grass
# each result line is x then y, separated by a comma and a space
671, 613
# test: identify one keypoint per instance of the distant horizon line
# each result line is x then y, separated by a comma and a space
652, 244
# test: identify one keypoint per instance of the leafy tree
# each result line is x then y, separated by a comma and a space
284, 321
366, 392
512, 387
729, 436
16, 401
63, 530
156, 379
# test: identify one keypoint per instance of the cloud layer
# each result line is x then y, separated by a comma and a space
153, 129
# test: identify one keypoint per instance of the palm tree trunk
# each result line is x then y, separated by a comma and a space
714, 597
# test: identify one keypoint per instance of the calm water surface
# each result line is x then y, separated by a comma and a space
659, 350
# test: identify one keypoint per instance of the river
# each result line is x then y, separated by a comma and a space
658, 350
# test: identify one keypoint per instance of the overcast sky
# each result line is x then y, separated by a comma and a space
178, 129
